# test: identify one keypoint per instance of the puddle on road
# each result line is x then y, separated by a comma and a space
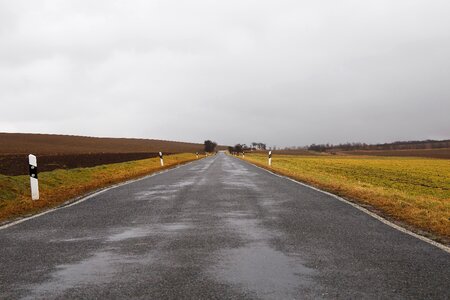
143, 231
183, 183
256, 266
192, 203
155, 194
233, 183
196, 168
103, 266
248, 229
234, 214
174, 226
129, 234
237, 177
238, 184
268, 273
71, 240
163, 192
201, 168
202, 182
95, 270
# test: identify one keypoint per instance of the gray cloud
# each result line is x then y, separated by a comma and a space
283, 72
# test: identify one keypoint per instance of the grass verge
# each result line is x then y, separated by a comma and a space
414, 191
59, 186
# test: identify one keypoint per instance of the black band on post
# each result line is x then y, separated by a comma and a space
33, 171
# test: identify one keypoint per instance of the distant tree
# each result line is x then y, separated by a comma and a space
238, 148
246, 147
210, 146
259, 146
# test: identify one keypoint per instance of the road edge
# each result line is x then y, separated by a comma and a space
360, 208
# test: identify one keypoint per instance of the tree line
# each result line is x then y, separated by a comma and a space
210, 146
399, 145
239, 148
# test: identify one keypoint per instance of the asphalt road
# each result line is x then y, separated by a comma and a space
218, 228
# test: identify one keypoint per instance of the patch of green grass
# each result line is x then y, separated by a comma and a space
58, 186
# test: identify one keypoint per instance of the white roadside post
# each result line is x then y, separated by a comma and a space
33, 177
270, 158
243, 154
196, 154
161, 159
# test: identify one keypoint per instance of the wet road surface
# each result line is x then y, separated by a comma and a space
218, 228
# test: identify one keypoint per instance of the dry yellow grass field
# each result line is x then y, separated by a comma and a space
59, 186
415, 191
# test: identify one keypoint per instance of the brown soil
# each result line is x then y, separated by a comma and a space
67, 152
18, 164
39, 144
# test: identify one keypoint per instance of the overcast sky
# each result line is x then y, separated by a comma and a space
280, 72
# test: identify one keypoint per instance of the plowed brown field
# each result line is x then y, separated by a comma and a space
67, 152
38, 144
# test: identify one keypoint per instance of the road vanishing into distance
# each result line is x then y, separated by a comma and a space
217, 228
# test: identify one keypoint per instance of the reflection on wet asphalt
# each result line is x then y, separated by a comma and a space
217, 228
